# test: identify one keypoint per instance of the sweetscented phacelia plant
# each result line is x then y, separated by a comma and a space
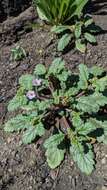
69, 105
18, 53
68, 22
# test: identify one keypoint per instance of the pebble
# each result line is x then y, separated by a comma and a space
103, 161
104, 188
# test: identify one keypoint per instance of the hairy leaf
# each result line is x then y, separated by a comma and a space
84, 160
89, 126
57, 66
25, 81
96, 71
40, 70
92, 103
17, 123
54, 140
17, 102
83, 76
100, 84
54, 156
32, 132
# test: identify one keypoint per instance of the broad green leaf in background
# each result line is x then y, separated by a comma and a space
64, 41
78, 30
88, 22
59, 29
80, 5
41, 15
89, 37
80, 46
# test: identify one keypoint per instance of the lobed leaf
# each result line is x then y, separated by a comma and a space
17, 123
83, 77
54, 156
92, 103
31, 133
54, 140
84, 160
25, 81
40, 69
17, 102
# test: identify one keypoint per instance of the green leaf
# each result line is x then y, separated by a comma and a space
92, 103
80, 46
25, 81
59, 29
17, 123
94, 28
54, 140
72, 91
85, 161
83, 77
32, 133
64, 41
88, 127
88, 22
103, 137
89, 37
43, 105
41, 15
78, 30
57, 66
54, 156
17, 102
96, 71
80, 5
63, 76
76, 120
100, 84
40, 70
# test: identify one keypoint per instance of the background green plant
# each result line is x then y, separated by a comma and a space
18, 53
58, 12
68, 21
71, 106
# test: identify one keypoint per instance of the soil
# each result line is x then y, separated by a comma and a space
24, 167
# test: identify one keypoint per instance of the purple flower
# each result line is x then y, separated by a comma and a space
31, 94
37, 82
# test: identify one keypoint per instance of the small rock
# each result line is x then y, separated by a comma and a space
103, 161
104, 188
